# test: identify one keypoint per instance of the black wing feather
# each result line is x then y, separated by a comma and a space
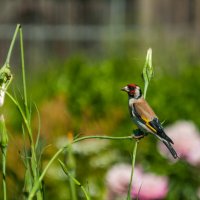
155, 123
171, 149
158, 129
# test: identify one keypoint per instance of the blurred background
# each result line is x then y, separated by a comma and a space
78, 55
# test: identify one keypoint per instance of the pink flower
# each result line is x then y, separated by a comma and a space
146, 186
152, 187
149, 187
118, 178
186, 141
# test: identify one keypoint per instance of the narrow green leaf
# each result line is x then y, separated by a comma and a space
74, 179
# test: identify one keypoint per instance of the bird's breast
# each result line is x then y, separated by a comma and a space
131, 101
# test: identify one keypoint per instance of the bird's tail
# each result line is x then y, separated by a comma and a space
171, 149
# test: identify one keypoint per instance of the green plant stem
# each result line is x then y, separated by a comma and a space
145, 89
34, 164
72, 167
147, 75
73, 190
22, 114
26, 119
26, 115
132, 169
74, 179
12, 44
39, 127
36, 184
4, 147
23, 72
4, 153
85, 192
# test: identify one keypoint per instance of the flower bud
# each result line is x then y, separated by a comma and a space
147, 73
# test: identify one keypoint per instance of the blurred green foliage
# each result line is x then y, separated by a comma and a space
84, 94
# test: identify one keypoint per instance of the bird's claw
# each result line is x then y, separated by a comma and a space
138, 134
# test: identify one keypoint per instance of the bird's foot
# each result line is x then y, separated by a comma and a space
138, 134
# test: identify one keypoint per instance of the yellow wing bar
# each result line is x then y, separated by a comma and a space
148, 125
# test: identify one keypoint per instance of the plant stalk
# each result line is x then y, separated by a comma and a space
4, 136
3, 146
72, 166
23, 72
34, 164
12, 45
147, 75
4, 153
38, 182
74, 179
132, 169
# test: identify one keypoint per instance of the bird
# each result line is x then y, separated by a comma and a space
145, 118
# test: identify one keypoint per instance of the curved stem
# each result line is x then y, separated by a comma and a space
33, 158
103, 137
22, 114
34, 163
75, 181
38, 182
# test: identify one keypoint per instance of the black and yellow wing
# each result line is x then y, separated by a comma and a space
147, 117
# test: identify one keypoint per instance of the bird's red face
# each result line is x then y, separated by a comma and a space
133, 90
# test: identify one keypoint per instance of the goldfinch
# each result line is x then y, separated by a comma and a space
145, 118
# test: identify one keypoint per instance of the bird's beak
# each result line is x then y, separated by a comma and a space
125, 89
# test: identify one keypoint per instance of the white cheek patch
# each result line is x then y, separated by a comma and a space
137, 92
131, 102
